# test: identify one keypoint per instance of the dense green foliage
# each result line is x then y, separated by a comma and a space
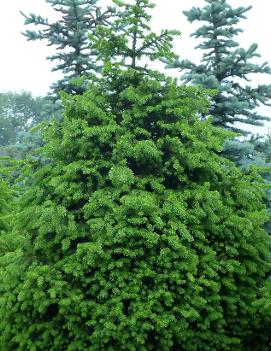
6, 217
227, 67
69, 33
138, 236
134, 233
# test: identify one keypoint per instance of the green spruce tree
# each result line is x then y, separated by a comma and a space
69, 34
135, 234
226, 67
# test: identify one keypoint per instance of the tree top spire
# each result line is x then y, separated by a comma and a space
130, 38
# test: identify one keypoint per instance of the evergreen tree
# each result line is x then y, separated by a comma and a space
135, 234
69, 34
226, 67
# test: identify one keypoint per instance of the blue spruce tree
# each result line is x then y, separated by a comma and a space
226, 67
70, 35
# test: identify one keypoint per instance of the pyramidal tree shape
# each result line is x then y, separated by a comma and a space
76, 20
227, 67
135, 234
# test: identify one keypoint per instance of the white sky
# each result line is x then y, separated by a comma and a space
23, 63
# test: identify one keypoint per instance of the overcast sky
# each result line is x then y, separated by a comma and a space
23, 64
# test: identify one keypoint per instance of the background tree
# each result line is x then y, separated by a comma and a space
227, 67
19, 113
6, 131
78, 19
136, 234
